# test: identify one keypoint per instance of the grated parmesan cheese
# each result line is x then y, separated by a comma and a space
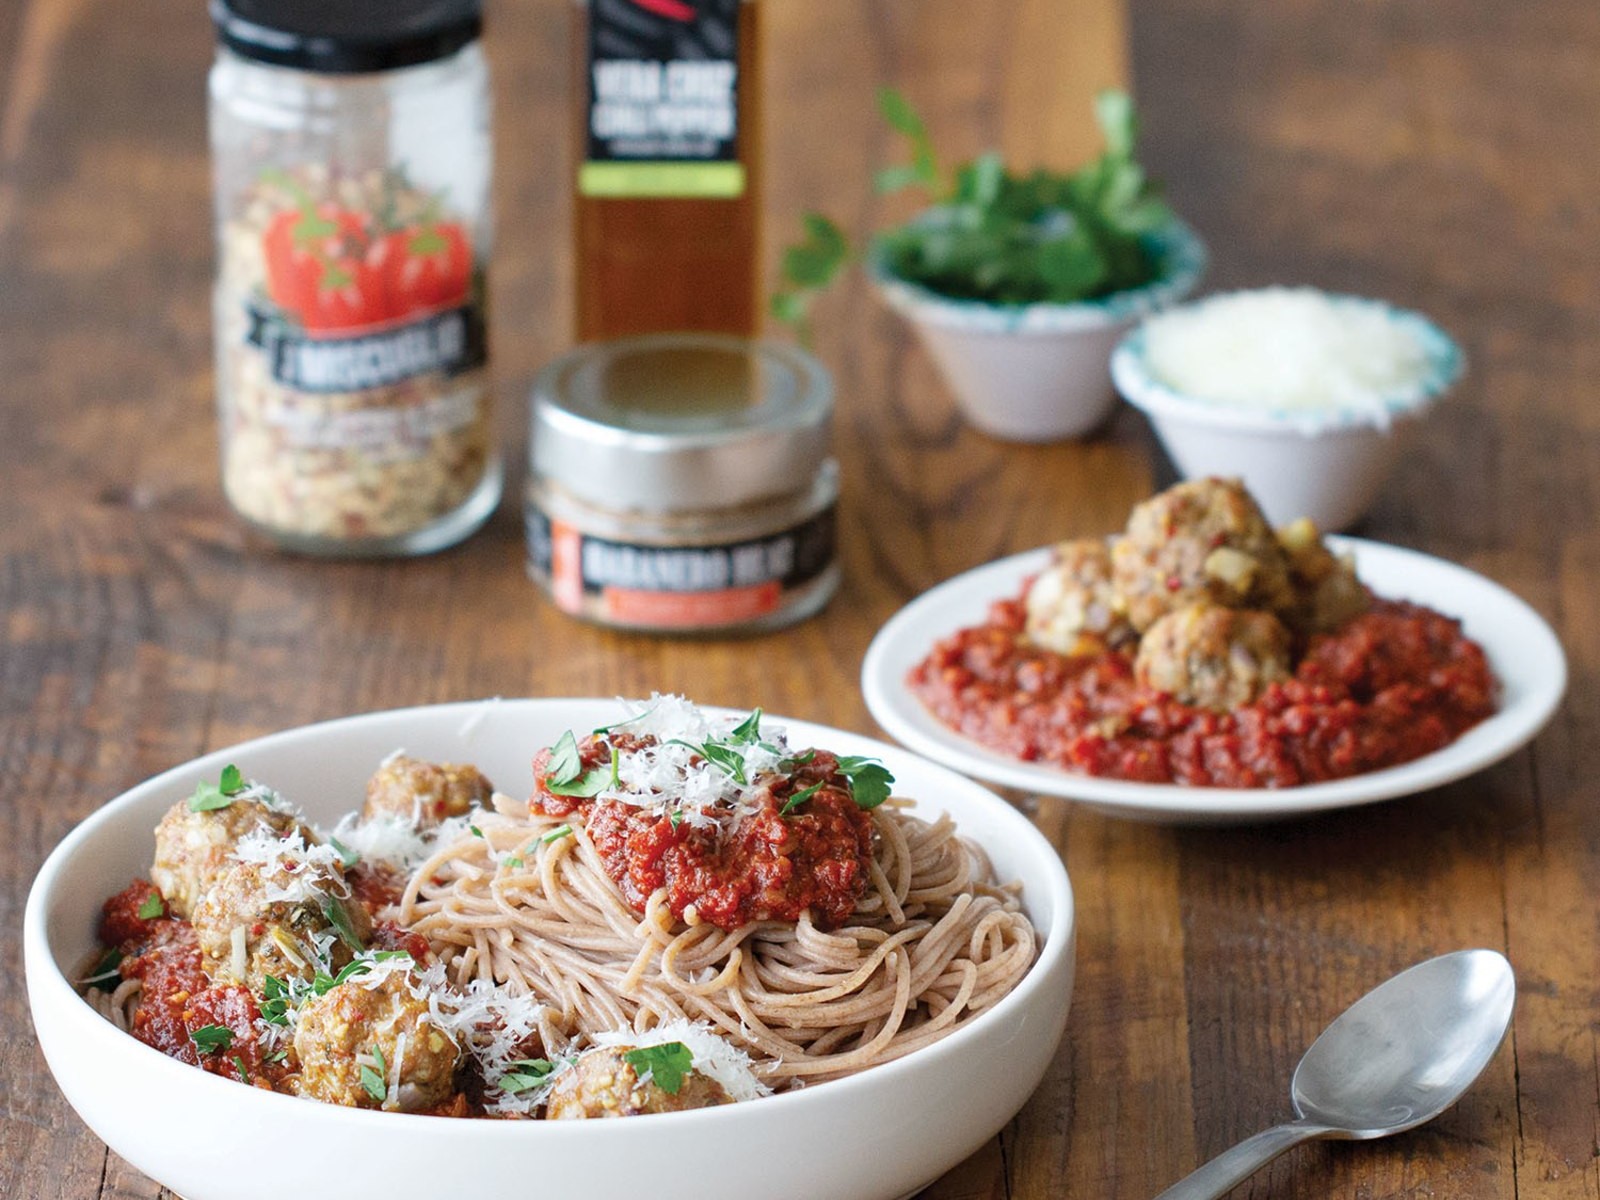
385, 840
293, 871
713, 1055
1292, 350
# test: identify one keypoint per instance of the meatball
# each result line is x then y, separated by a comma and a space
1210, 657
603, 1083
424, 793
192, 848
380, 1026
1072, 607
290, 917
1327, 593
1202, 541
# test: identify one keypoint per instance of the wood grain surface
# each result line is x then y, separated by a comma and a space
1442, 154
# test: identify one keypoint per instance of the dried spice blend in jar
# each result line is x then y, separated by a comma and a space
352, 163
682, 483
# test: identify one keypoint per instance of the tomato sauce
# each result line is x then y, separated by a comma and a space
759, 865
1393, 684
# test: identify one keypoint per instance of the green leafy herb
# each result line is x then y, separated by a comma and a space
748, 731
373, 1081
513, 861
209, 797
339, 918
525, 1074
556, 834
999, 237
675, 818
278, 1056
564, 774
105, 975
638, 716
275, 999
238, 1064
476, 832
809, 267
870, 780
799, 798
347, 857
211, 1039
665, 1064
152, 908
797, 760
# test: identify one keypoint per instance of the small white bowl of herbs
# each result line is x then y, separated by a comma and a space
1019, 285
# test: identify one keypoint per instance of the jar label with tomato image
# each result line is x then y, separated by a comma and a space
663, 99
355, 404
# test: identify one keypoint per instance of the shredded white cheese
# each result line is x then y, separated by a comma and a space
1293, 350
293, 871
385, 840
714, 1056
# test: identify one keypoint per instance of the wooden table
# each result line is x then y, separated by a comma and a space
1440, 154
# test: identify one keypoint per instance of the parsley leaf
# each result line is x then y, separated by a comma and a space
238, 1063
374, 1084
666, 1064
564, 764
105, 975
525, 1074
208, 797
556, 834
153, 907
675, 818
339, 918
799, 798
211, 1039
870, 780
748, 730
347, 857
275, 1001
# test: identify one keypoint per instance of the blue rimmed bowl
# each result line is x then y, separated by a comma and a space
1326, 464
1038, 372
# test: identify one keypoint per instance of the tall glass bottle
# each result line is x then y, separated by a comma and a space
668, 199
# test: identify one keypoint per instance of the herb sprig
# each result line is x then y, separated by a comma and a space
666, 1064
208, 797
993, 235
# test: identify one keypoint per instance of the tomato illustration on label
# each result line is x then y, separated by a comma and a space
335, 270
427, 267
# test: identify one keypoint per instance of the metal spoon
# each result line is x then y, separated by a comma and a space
1397, 1057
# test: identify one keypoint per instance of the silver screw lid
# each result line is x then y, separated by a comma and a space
681, 422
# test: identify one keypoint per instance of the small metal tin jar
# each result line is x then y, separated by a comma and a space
682, 483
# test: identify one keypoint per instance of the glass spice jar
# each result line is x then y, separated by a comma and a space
352, 164
682, 483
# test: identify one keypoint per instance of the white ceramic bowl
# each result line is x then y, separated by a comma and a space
1037, 372
881, 1134
1327, 466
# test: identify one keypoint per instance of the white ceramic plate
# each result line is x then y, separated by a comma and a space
1522, 650
880, 1134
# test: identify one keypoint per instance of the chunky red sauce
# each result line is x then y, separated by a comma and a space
1393, 684
763, 865
177, 998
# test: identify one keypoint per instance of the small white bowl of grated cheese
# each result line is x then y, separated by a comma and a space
1304, 395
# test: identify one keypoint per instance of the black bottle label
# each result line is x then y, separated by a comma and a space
663, 92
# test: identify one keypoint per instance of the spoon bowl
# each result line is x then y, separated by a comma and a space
1397, 1057
1408, 1049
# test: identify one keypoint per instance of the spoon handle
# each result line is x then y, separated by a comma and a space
1233, 1167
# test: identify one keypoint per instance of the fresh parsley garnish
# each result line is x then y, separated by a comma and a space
525, 1074
512, 861
799, 798
339, 918
105, 975
476, 832
564, 774
211, 1039
726, 757
275, 999
152, 908
347, 857
870, 780
208, 797
675, 818
665, 1064
748, 731
372, 1081
238, 1063
556, 834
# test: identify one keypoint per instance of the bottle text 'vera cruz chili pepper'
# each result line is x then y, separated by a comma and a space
352, 163
669, 166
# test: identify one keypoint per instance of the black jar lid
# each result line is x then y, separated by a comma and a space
346, 36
